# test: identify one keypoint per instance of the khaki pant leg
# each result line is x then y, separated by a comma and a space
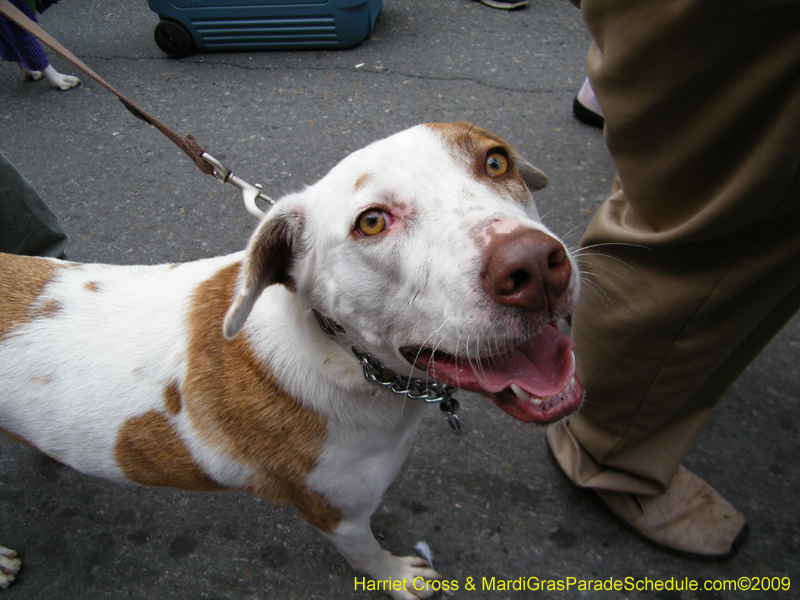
695, 264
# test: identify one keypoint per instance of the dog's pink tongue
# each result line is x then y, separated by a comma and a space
542, 366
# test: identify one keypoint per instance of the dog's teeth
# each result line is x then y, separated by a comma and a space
525, 396
520, 393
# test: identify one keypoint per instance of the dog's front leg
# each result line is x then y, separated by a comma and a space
9, 566
355, 541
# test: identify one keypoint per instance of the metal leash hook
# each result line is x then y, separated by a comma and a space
250, 192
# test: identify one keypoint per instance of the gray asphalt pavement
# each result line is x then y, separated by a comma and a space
490, 503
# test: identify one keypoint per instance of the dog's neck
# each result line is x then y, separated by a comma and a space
429, 391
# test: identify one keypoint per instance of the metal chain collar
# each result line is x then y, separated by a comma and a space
430, 392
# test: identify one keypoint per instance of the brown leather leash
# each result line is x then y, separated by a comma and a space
202, 160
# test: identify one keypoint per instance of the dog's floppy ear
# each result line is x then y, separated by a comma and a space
268, 260
533, 177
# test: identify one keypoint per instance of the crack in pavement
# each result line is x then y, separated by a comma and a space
365, 71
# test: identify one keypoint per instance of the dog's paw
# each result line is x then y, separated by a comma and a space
9, 566
416, 572
59, 80
64, 82
32, 75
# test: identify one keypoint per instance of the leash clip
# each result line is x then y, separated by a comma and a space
250, 192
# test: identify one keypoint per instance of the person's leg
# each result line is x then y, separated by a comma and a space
702, 105
17, 45
27, 226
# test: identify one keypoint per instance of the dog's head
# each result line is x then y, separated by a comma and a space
427, 247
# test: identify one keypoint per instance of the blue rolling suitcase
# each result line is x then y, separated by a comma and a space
217, 25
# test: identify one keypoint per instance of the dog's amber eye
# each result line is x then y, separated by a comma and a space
372, 222
496, 164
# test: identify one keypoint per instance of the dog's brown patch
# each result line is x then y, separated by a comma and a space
46, 310
362, 181
22, 281
172, 398
91, 286
149, 452
473, 144
240, 408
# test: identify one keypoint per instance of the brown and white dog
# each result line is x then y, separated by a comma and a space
425, 247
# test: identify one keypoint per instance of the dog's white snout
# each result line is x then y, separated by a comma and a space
527, 269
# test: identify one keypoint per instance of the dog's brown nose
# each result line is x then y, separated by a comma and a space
526, 269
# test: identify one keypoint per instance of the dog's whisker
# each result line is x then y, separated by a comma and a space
476, 362
549, 212
567, 235
622, 244
458, 345
593, 247
474, 359
598, 300
608, 282
607, 272
585, 260
423, 345
594, 268
596, 294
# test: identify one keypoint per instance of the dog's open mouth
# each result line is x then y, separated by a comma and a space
534, 382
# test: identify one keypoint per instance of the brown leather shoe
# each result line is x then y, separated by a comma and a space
690, 519
505, 4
